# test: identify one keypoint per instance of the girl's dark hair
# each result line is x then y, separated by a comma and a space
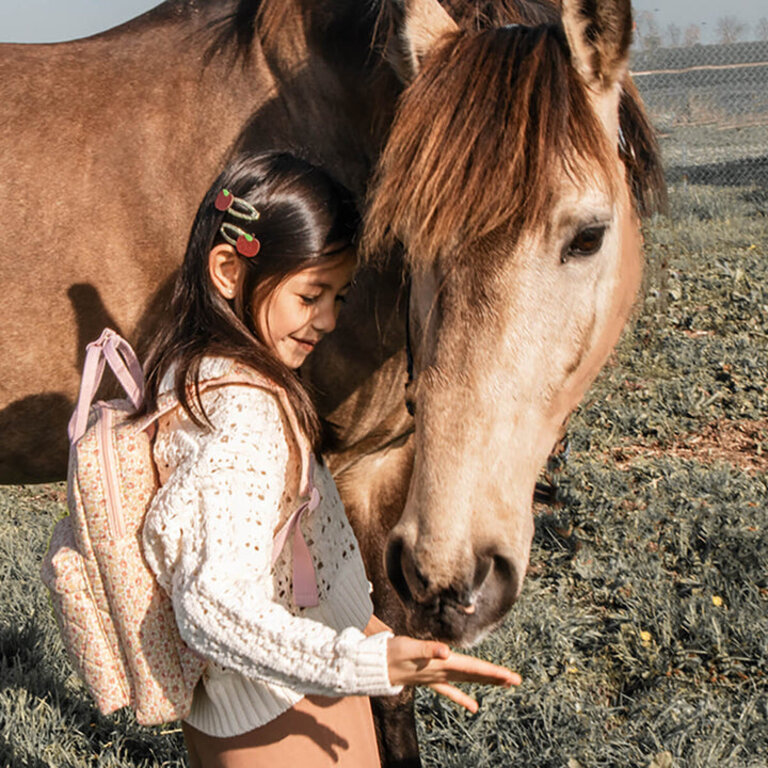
305, 218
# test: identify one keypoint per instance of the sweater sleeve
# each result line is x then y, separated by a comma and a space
208, 536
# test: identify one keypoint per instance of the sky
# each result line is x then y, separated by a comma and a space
55, 20
49, 21
703, 12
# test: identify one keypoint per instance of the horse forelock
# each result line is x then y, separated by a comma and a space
480, 143
639, 148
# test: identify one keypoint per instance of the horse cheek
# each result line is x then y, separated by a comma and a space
626, 284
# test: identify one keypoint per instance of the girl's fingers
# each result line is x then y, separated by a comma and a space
455, 695
423, 653
469, 669
423, 662
435, 650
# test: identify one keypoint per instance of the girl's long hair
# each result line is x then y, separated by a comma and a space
304, 214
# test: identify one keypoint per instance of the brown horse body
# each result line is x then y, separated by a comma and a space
111, 141
108, 144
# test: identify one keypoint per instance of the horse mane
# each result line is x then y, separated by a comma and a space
638, 149
270, 21
486, 14
274, 23
234, 32
479, 141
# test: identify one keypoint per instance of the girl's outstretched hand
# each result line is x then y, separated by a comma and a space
426, 662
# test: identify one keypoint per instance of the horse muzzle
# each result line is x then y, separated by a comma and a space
464, 611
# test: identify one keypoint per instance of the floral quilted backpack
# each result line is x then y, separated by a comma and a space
116, 621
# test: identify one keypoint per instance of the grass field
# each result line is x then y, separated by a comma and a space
642, 631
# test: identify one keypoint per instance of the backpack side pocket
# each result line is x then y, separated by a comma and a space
87, 633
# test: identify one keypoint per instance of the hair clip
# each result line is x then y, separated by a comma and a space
245, 244
235, 206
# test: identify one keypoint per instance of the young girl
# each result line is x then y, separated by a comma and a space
286, 622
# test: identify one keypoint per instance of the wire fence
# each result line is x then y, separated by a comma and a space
709, 104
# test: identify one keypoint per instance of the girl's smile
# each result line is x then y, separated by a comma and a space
303, 308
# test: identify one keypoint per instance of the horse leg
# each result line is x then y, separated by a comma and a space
394, 716
395, 723
374, 490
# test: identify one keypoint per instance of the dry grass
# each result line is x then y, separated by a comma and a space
743, 444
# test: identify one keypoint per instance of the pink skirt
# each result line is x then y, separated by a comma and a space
318, 732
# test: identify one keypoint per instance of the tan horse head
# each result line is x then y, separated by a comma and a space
523, 250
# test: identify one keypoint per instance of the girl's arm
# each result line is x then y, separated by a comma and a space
208, 536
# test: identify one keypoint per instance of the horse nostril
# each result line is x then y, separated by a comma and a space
503, 580
482, 569
504, 567
394, 564
403, 572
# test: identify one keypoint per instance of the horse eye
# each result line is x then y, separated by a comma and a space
586, 243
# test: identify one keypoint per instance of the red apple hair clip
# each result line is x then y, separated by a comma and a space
244, 242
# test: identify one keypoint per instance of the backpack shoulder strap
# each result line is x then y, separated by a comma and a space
304, 578
242, 375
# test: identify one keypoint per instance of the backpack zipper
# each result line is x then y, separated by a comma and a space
109, 471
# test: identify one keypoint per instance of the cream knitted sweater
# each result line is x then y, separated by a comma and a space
208, 537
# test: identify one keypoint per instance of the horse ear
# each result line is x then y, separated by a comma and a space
418, 25
599, 34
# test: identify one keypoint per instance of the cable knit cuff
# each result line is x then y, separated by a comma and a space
371, 668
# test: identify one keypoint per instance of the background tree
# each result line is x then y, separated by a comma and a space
729, 29
692, 35
673, 35
647, 31
761, 28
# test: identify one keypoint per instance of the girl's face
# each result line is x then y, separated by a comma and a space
303, 308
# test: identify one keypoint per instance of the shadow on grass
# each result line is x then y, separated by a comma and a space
25, 658
35, 676
16, 757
